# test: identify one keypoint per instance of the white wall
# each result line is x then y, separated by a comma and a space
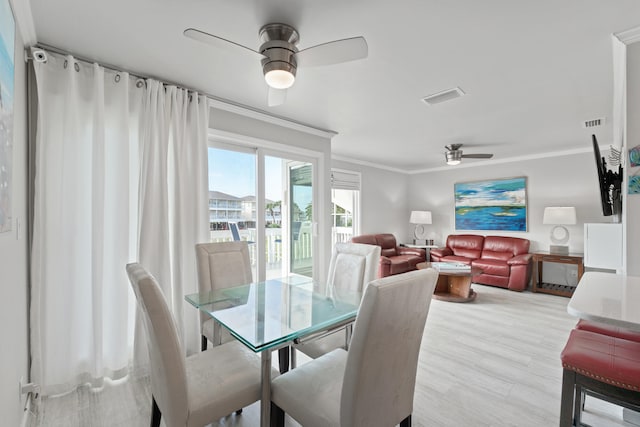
632, 202
569, 180
13, 264
384, 201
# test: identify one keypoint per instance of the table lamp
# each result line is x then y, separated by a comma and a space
559, 216
419, 218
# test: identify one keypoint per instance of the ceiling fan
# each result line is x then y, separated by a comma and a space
454, 154
281, 58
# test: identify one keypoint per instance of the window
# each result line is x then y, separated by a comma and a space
345, 200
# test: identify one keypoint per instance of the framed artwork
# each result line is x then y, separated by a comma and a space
634, 156
634, 184
497, 204
7, 41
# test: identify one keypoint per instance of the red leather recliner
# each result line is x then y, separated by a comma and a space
394, 259
505, 261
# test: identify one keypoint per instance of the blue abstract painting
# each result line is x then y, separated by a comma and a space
499, 204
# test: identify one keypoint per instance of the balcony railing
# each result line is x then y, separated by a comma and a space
302, 246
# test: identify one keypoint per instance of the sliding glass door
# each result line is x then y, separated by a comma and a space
300, 185
268, 196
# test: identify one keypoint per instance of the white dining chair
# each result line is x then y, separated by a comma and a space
352, 267
220, 265
373, 383
195, 390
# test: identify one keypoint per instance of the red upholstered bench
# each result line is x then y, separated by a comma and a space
605, 366
612, 331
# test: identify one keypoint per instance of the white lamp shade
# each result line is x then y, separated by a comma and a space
420, 217
559, 216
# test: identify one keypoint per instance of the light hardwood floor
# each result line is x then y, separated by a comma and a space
493, 362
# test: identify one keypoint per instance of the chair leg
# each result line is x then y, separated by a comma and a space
294, 358
283, 359
203, 343
578, 405
155, 413
406, 422
277, 416
566, 400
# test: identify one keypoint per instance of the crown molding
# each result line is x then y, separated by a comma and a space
24, 20
629, 36
366, 163
269, 118
463, 165
506, 160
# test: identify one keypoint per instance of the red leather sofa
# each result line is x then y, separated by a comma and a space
394, 259
505, 261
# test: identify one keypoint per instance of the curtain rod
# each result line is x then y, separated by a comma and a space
222, 103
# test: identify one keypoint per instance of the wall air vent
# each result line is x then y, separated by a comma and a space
445, 95
593, 123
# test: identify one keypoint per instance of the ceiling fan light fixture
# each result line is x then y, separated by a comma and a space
279, 79
453, 157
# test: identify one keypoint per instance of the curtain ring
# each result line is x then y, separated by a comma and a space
76, 66
66, 62
140, 83
117, 78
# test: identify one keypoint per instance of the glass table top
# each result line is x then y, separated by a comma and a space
267, 314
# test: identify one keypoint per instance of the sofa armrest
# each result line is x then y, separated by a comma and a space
403, 250
522, 259
440, 252
384, 268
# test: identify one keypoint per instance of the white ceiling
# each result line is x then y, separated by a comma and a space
532, 70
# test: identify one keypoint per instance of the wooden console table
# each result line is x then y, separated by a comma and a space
551, 288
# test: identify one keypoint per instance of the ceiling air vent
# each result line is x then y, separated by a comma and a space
593, 123
445, 95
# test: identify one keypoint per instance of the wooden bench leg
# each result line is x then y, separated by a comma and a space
577, 404
567, 399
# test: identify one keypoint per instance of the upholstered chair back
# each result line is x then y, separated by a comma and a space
352, 266
382, 361
168, 371
222, 265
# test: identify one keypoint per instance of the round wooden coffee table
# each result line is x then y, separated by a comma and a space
452, 285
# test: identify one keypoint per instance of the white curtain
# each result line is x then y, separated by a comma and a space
85, 155
95, 201
174, 199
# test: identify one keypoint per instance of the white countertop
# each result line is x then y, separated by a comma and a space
608, 298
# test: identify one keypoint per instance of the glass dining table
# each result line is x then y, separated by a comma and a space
271, 315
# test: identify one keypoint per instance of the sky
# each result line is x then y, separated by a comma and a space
7, 31
234, 173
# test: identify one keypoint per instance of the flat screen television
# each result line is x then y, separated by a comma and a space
610, 183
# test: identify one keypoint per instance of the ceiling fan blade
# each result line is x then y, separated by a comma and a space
477, 156
276, 97
333, 52
219, 42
